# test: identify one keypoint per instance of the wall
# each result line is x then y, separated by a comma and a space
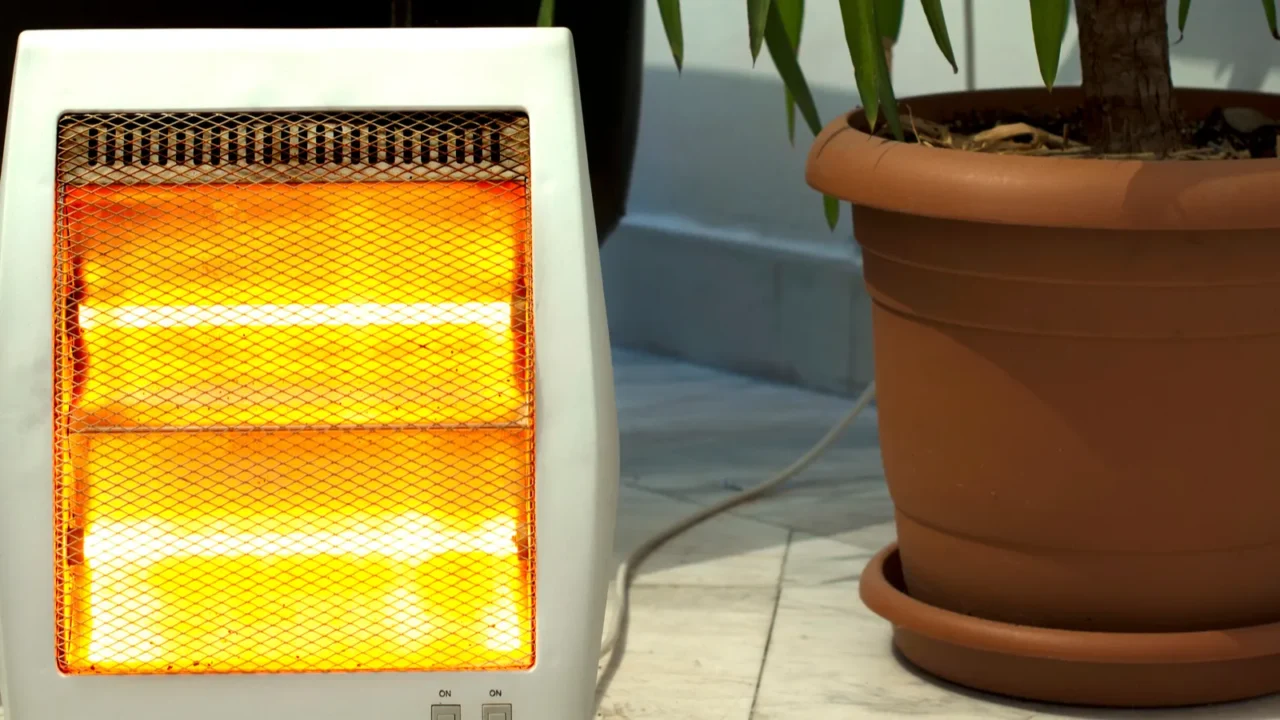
725, 258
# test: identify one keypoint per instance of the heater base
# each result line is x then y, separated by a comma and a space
1072, 667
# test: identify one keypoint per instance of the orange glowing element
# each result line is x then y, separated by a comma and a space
296, 428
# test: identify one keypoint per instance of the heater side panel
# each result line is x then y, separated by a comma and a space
293, 393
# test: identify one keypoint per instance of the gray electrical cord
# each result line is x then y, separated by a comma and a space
614, 642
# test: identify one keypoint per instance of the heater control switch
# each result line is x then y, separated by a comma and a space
495, 712
446, 712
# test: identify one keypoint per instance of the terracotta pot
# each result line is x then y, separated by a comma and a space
1078, 370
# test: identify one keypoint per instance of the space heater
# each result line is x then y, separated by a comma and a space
306, 406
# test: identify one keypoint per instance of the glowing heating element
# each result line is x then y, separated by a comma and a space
294, 398
496, 315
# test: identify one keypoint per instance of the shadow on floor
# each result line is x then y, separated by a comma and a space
691, 437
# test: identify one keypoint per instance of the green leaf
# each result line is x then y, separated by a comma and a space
1049, 26
860, 35
547, 13
889, 18
831, 208
757, 17
670, 12
1269, 7
784, 58
792, 12
1184, 7
938, 24
888, 100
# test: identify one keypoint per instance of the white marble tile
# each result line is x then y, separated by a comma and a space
730, 457
666, 394
828, 560
647, 387
726, 436
719, 434
818, 502
829, 657
725, 551
692, 653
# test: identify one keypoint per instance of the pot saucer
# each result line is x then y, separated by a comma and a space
1073, 667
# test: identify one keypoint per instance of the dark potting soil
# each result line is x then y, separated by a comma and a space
1227, 133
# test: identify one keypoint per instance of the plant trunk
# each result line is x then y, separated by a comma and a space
1129, 105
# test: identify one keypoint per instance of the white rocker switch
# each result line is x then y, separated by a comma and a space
446, 712
496, 712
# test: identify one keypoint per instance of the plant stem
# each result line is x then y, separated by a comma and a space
1129, 106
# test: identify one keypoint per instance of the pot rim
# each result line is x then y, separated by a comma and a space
879, 588
1057, 192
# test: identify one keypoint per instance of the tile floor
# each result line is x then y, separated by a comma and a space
755, 615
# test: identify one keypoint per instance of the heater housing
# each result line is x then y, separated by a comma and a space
306, 405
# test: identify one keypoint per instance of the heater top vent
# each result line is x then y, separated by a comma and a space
184, 148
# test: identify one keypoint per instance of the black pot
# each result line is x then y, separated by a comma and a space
607, 38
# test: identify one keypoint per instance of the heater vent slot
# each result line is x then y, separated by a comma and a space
294, 393
293, 147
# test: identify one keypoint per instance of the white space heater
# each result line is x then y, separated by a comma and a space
306, 405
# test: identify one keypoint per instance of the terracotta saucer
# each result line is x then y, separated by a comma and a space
1074, 667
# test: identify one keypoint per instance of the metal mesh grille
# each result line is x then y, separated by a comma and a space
293, 393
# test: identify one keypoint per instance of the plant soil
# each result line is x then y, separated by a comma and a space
1234, 133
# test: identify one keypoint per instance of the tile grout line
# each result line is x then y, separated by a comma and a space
773, 620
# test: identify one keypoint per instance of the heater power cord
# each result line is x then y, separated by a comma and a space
614, 643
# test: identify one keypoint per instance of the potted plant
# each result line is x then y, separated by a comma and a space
608, 38
1077, 341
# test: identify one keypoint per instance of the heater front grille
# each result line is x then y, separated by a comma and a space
294, 418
